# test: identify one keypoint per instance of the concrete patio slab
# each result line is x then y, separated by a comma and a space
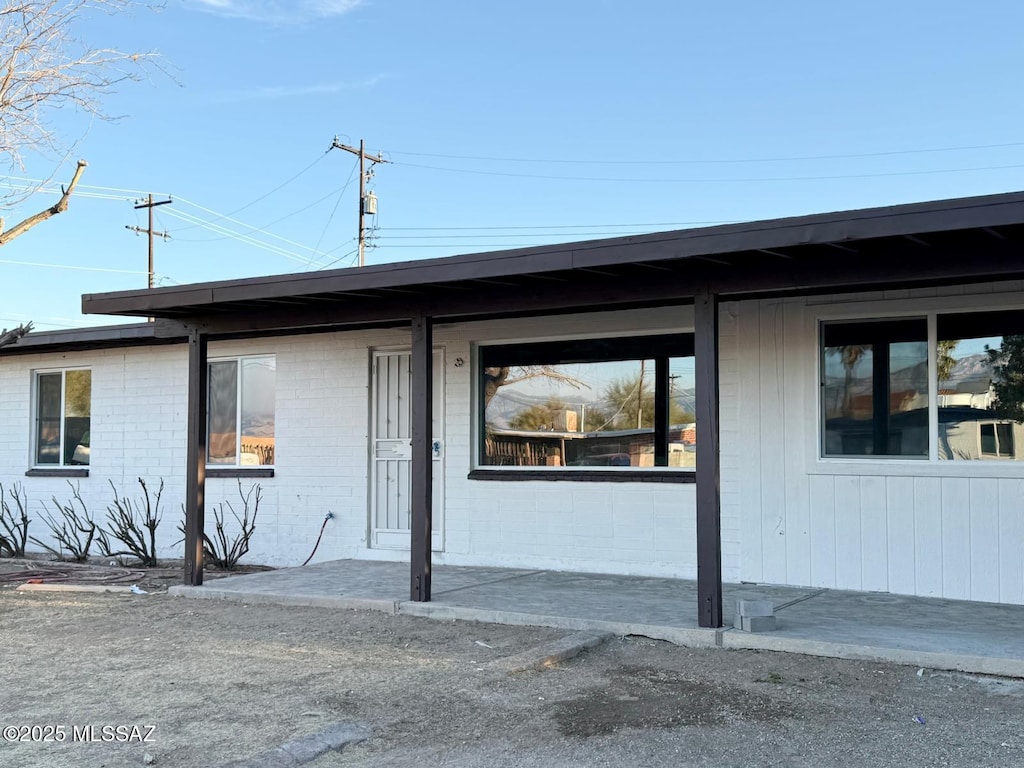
941, 634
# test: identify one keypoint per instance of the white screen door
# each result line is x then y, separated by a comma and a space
390, 509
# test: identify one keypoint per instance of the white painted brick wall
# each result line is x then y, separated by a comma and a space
322, 458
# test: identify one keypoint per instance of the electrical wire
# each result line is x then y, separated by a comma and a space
705, 180
264, 196
243, 238
711, 161
334, 210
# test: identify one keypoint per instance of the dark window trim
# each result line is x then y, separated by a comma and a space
589, 350
239, 472
880, 335
660, 348
58, 472
624, 475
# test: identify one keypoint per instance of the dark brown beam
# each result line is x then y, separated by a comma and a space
421, 490
195, 453
662, 410
709, 517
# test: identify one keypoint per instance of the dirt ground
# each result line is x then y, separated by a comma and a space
225, 681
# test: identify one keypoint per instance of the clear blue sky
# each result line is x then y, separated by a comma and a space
587, 118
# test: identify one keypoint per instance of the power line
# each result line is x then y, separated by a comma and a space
565, 226
732, 180
71, 266
711, 161
278, 250
335, 208
264, 196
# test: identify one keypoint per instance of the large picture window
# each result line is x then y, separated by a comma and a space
620, 403
240, 423
63, 411
876, 392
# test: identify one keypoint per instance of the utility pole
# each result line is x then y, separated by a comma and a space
150, 231
364, 175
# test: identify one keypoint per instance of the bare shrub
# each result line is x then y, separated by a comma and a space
74, 531
132, 526
219, 550
13, 521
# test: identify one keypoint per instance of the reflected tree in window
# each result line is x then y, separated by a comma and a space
849, 355
1008, 384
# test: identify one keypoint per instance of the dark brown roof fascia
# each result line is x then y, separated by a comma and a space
846, 226
100, 337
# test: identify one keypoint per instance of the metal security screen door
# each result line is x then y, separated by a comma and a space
392, 451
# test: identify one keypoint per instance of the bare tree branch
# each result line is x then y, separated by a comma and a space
44, 67
62, 205
11, 336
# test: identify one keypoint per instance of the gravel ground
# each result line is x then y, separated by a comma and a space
225, 681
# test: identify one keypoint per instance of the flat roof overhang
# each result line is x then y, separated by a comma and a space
951, 241
96, 337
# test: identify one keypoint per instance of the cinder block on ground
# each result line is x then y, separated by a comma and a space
758, 623
754, 616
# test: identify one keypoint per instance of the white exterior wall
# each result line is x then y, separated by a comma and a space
951, 529
322, 456
630, 528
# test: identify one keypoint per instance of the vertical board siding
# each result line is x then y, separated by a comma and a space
849, 558
928, 534
956, 537
874, 534
796, 338
1011, 533
772, 447
984, 538
823, 530
905, 531
899, 503
748, 447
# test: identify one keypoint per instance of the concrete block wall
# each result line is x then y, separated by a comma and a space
322, 456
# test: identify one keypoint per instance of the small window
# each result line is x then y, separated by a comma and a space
240, 421
980, 384
622, 403
875, 389
63, 411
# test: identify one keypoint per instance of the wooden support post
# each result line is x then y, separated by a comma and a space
709, 517
662, 411
421, 485
195, 472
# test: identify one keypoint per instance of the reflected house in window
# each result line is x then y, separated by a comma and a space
619, 448
978, 362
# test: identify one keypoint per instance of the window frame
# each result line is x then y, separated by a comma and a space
236, 468
881, 334
931, 309
61, 467
656, 345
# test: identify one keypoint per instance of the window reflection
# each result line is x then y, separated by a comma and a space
875, 388
980, 385
590, 414
241, 411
